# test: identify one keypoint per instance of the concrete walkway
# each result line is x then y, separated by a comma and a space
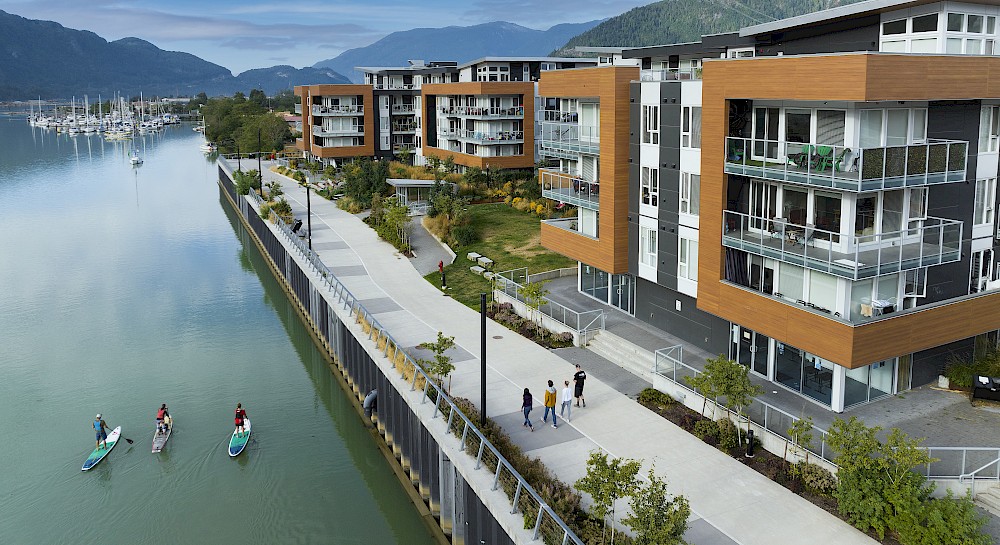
427, 251
731, 504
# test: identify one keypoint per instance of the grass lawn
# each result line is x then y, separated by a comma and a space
512, 239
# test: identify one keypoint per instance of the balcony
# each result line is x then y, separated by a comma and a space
689, 74
935, 242
405, 128
402, 109
319, 130
495, 138
569, 188
568, 140
849, 169
478, 112
568, 224
341, 110
396, 86
298, 108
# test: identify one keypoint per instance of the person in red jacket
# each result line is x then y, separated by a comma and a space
241, 414
161, 415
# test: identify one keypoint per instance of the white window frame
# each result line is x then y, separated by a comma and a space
650, 124
979, 277
686, 194
687, 259
649, 189
990, 133
985, 201
690, 137
647, 246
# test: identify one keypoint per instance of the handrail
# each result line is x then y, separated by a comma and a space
512, 288
377, 332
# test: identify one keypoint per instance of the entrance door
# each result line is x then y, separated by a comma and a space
765, 132
751, 350
621, 292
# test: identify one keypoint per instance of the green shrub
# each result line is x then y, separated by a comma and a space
816, 478
706, 430
729, 436
265, 210
282, 208
985, 361
652, 396
465, 234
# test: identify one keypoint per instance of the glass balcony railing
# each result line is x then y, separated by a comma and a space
499, 137
402, 108
933, 242
568, 224
849, 168
346, 109
405, 127
396, 86
514, 112
319, 130
566, 140
670, 75
569, 188
558, 116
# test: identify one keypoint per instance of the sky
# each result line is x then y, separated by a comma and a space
244, 34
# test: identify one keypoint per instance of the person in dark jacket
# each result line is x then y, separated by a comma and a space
578, 379
526, 409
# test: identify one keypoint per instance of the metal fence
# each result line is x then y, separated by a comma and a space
524, 498
581, 322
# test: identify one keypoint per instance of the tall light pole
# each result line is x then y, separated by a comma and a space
482, 361
309, 216
260, 172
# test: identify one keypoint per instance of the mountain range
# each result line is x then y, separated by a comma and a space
679, 21
454, 43
45, 59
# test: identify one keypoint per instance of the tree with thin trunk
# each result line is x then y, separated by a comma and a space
657, 518
607, 481
441, 365
801, 434
534, 294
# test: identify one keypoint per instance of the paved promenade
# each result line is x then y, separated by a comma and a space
731, 503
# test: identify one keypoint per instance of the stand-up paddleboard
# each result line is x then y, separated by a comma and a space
100, 453
160, 439
239, 441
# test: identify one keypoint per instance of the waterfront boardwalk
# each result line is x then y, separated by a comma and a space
730, 502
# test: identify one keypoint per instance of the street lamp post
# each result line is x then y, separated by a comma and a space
260, 173
482, 361
309, 216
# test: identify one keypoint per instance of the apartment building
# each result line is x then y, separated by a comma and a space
813, 196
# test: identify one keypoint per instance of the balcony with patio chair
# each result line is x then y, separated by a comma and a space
566, 187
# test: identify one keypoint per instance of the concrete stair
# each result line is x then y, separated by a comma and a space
624, 354
989, 499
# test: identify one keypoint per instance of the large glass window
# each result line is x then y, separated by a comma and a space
894, 27
687, 259
691, 127
788, 366
795, 205
864, 215
791, 281
985, 199
650, 190
956, 22
827, 212
925, 23
689, 194
797, 125
830, 126
975, 24
871, 128
823, 290
650, 124
594, 282
892, 213
897, 127
647, 246
989, 129
817, 378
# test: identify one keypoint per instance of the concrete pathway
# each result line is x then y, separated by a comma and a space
427, 251
731, 503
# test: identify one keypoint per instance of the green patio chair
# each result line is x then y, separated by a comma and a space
801, 159
824, 158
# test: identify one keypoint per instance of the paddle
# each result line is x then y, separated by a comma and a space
127, 440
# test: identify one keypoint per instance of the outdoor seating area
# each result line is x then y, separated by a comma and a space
483, 265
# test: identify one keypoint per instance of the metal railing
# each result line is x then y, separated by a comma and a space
403, 108
569, 137
581, 322
849, 168
569, 188
548, 525
933, 242
669, 365
319, 130
482, 111
568, 224
499, 137
558, 116
670, 74
343, 109
396, 86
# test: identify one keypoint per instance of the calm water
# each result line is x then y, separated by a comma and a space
124, 288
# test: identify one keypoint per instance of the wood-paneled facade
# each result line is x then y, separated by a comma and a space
369, 119
842, 77
610, 85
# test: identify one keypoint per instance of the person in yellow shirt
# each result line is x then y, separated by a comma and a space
550, 404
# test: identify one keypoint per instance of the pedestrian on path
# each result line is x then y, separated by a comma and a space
578, 379
526, 409
550, 405
567, 402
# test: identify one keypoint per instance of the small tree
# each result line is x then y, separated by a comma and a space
801, 434
449, 164
244, 182
607, 481
255, 181
440, 366
706, 382
534, 294
657, 518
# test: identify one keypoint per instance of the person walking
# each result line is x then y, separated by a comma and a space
526, 409
567, 402
578, 379
102, 431
550, 405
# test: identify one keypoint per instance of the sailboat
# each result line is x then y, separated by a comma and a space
134, 158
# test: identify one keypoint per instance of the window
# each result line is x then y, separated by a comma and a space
690, 193
982, 270
955, 22
989, 129
687, 259
830, 125
691, 127
647, 246
894, 27
650, 186
986, 191
650, 124
975, 24
925, 23
797, 125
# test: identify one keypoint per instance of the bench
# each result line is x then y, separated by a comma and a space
484, 262
488, 275
472, 256
477, 269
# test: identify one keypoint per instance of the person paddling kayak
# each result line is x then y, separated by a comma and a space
161, 417
241, 414
101, 428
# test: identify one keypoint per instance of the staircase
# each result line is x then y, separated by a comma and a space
624, 354
989, 499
